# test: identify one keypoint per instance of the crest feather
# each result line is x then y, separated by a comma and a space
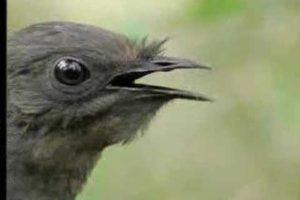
148, 50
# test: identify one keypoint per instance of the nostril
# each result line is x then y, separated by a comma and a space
163, 63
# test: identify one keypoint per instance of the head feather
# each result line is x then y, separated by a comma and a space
148, 50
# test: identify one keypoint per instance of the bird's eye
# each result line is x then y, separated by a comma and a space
70, 72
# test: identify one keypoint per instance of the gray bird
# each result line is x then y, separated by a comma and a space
71, 93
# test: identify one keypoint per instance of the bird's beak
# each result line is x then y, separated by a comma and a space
125, 80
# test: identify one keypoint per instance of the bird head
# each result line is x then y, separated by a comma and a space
73, 80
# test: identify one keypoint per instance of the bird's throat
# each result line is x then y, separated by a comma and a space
49, 168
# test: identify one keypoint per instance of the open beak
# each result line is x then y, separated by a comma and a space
125, 80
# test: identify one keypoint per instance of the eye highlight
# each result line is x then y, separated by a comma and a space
70, 71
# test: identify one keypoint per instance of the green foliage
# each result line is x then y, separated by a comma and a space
209, 10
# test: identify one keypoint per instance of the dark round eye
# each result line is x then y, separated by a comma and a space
70, 72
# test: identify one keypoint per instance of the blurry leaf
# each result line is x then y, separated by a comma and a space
208, 10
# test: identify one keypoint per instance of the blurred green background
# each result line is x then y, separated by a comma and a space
245, 145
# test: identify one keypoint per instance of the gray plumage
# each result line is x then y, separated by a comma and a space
57, 128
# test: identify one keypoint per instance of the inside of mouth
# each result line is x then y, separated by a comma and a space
127, 80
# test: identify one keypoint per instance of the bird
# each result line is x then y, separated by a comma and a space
72, 93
